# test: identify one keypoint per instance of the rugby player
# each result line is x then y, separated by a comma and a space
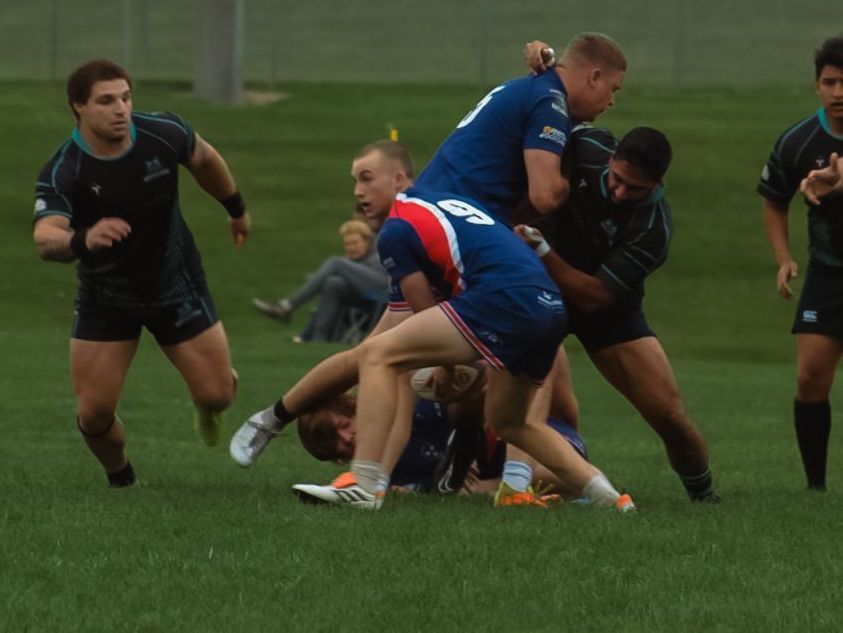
108, 200
611, 235
818, 324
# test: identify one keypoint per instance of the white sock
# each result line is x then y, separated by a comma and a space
517, 475
368, 474
600, 491
383, 483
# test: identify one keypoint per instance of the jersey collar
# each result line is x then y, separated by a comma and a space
76, 136
821, 115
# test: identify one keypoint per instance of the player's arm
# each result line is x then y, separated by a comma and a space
548, 189
417, 291
821, 182
211, 172
776, 228
56, 241
588, 292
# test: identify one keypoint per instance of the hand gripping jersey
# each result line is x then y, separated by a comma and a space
157, 264
483, 157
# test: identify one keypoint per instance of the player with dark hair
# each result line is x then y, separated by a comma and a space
599, 249
108, 199
818, 324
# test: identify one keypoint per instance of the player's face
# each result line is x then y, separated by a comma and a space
627, 184
598, 94
376, 181
355, 245
830, 91
107, 112
345, 437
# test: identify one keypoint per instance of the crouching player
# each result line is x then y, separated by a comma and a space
499, 304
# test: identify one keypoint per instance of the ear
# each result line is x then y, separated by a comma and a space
594, 75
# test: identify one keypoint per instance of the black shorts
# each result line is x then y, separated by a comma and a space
820, 309
169, 325
605, 328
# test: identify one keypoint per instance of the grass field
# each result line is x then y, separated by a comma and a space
200, 545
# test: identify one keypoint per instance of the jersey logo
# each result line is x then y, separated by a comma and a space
820, 162
765, 173
96, 188
610, 229
809, 316
40, 205
583, 184
552, 134
154, 169
547, 299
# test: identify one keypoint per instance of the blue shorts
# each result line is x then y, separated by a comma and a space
517, 329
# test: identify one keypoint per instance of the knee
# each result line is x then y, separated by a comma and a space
812, 385
215, 395
374, 352
334, 285
95, 417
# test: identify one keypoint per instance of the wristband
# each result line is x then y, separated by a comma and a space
77, 243
234, 205
543, 248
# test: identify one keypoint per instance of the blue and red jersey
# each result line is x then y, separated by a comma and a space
457, 245
483, 158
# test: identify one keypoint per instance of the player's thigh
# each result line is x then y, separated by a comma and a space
817, 358
508, 398
204, 362
641, 371
424, 339
563, 401
98, 370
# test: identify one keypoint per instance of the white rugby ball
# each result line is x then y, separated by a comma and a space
464, 378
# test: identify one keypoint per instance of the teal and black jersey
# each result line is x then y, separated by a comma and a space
158, 263
803, 147
621, 244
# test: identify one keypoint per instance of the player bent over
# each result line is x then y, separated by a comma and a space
503, 309
108, 199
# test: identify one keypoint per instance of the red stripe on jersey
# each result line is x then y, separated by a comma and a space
434, 238
398, 306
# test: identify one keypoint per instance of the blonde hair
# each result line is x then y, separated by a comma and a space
594, 48
356, 227
393, 150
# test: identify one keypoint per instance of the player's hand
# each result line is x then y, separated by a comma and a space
538, 56
106, 233
821, 182
787, 271
442, 380
240, 229
533, 238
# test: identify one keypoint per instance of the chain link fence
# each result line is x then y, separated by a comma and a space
471, 41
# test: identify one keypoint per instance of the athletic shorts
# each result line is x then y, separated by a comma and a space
170, 325
517, 329
603, 329
820, 309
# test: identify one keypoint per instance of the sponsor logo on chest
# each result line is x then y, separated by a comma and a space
155, 169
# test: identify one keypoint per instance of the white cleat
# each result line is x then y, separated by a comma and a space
343, 491
252, 437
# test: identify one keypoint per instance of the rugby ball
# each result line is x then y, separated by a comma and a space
423, 383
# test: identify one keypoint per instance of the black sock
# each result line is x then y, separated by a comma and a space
282, 414
700, 487
813, 426
123, 477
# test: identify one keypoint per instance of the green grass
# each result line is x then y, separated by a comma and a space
201, 545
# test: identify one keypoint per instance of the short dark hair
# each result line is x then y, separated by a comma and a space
646, 149
81, 80
317, 431
829, 54
392, 150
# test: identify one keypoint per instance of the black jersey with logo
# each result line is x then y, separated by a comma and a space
803, 147
158, 263
621, 244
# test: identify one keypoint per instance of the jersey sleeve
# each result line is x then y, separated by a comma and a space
640, 251
591, 147
777, 181
548, 125
398, 249
172, 130
53, 188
